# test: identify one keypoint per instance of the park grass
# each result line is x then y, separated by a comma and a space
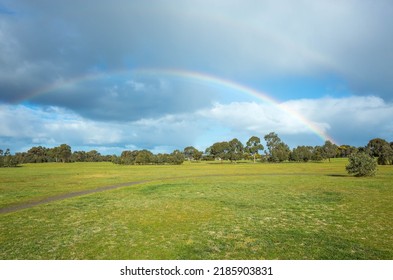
198, 211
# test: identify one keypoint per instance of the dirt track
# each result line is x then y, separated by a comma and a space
65, 196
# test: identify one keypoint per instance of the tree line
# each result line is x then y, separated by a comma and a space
145, 157
60, 153
276, 150
234, 150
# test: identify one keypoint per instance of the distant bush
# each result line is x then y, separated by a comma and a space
361, 164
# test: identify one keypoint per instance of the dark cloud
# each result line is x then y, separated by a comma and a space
46, 40
121, 97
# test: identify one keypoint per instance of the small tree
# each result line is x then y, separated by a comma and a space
361, 164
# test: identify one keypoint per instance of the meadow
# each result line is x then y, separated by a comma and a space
203, 210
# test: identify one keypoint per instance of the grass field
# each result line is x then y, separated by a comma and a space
197, 211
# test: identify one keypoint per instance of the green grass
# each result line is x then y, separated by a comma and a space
198, 211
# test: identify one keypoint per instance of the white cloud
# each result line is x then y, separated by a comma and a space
351, 120
53, 126
256, 118
357, 110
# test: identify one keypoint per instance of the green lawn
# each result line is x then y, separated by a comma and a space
198, 211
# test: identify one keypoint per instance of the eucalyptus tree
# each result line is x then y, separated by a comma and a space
278, 150
235, 150
254, 145
192, 153
329, 150
219, 150
302, 153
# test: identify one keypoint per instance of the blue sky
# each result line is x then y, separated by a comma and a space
102, 75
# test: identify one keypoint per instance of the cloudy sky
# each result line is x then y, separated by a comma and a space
162, 75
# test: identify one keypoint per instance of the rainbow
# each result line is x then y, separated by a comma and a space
199, 77
219, 82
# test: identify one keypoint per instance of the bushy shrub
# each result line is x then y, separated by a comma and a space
361, 164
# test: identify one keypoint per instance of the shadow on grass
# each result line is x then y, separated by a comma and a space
230, 163
338, 175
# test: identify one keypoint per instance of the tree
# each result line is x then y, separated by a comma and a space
301, 153
386, 155
7, 160
254, 145
361, 164
93, 156
329, 150
38, 154
176, 157
162, 158
345, 150
219, 150
375, 146
78, 156
197, 155
64, 153
192, 154
144, 157
278, 150
272, 140
281, 153
317, 154
127, 157
235, 150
